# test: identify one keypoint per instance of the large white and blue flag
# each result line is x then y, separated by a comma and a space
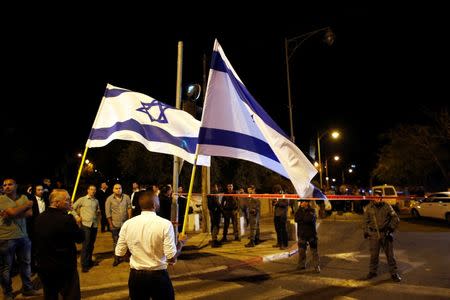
235, 125
132, 116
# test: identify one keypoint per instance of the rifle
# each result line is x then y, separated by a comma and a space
382, 240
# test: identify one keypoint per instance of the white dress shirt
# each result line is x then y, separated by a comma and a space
150, 239
41, 204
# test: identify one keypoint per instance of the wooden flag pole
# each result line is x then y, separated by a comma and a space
194, 166
79, 173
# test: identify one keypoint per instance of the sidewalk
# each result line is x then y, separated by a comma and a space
197, 257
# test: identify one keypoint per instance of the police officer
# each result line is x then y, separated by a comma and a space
230, 209
380, 221
307, 235
215, 212
253, 208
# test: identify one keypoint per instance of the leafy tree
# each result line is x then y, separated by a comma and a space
139, 164
416, 154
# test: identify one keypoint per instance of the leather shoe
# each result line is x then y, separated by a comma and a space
371, 275
395, 277
301, 267
250, 244
116, 262
276, 246
84, 270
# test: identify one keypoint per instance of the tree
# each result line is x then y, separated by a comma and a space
139, 164
416, 155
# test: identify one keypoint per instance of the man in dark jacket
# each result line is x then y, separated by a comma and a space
215, 212
380, 222
307, 235
280, 210
230, 210
56, 234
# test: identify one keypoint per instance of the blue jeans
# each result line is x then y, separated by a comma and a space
21, 248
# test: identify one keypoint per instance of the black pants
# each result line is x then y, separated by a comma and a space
155, 284
64, 282
280, 227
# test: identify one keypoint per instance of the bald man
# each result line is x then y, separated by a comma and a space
56, 235
151, 242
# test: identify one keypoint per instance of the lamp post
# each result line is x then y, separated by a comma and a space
296, 42
336, 158
334, 135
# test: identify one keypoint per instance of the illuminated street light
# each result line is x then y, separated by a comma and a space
86, 161
79, 154
290, 46
336, 158
335, 135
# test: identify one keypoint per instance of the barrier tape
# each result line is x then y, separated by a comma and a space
297, 197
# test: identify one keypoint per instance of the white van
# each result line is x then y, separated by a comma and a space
390, 194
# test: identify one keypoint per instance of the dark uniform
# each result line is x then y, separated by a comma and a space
230, 209
215, 212
253, 208
380, 221
307, 235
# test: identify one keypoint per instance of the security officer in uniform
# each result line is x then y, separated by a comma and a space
306, 217
215, 212
380, 221
253, 207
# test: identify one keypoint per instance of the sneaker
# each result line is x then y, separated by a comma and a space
317, 268
283, 247
371, 275
30, 293
395, 277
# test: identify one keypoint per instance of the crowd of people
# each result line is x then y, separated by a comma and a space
39, 230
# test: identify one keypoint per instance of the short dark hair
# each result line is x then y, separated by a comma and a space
147, 200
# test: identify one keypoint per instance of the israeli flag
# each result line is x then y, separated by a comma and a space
235, 125
131, 116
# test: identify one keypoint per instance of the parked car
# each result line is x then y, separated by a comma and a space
436, 205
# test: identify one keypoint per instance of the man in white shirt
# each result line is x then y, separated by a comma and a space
151, 242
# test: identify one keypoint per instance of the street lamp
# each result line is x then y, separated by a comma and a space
290, 46
336, 158
335, 135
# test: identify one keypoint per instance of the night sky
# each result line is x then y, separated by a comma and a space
388, 65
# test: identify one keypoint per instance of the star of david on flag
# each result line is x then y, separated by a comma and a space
132, 116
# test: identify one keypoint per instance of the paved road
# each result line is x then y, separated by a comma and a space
422, 255
205, 273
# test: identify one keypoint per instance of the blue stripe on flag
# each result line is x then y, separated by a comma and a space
114, 92
218, 64
233, 139
149, 132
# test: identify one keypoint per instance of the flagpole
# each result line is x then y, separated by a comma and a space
79, 173
176, 160
86, 149
189, 193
